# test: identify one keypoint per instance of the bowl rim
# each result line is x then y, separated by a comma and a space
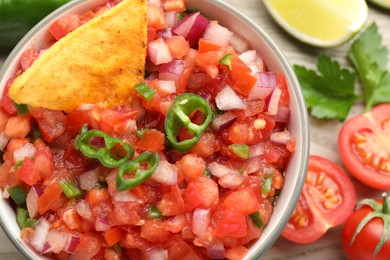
295, 86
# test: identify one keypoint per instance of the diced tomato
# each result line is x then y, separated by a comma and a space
172, 203
117, 115
18, 126
13, 145
133, 239
174, 5
114, 235
236, 253
44, 161
51, 123
201, 193
180, 249
151, 140
276, 154
72, 219
152, 34
6, 174
28, 172
175, 224
206, 46
156, 17
88, 246
206, 146
96, 196
5, 101
65, 25
282, 84
240, 133
253, 232
4, 116
28, 57
191, 167
76, 119
125, 213
234, 200
208, 62
153, 231
231, 224
50, 197
178, 46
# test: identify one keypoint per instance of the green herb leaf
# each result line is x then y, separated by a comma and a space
329, 94
370, 60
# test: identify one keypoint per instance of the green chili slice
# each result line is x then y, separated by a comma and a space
104, 154
177, 118
18, 195
154, 212
145, 91
227, 60
136, 167
70, 190
256, 219
241, 150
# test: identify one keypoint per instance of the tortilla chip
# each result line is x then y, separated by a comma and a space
98, 63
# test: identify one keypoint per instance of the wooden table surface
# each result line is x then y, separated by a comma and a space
323, 133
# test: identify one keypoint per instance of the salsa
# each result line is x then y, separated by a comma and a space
190, 169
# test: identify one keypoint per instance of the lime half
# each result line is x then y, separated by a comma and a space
322, 23
382, 3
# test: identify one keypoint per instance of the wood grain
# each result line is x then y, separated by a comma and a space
323, 133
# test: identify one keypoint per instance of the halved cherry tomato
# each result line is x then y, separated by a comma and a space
328, 198
364, 145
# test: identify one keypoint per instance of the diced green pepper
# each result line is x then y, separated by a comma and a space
257, 220
70, 190
145, 91
154, 212
18, 195
227, 60
266, 187
21, 217
241, 150
22, 109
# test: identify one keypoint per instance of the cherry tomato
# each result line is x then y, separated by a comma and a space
365, 148
328, 198
366, 244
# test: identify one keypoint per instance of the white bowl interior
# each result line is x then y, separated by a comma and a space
240, 24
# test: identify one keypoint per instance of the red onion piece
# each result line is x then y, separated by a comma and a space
283, 114
102, 224
126, 196
168, 86
217, 34
227, 99
55, 242
31, 203
171, 18
3, 141
158, 52
239, 43
280, 137
252, 165
216, 250
165, 173
90, 179
84, 211
220, 170
231, 181
37, 189
26, 151
40, 232
172, 70
72, 243
252, 59
157, 253
256, 150
274, 102
200, 221
165, 33
224, 121
266, 83
192, 27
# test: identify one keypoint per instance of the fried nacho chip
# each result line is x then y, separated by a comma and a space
99, 63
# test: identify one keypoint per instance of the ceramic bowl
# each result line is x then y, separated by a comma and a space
275, 60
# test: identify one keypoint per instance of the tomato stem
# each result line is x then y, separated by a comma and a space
385, 209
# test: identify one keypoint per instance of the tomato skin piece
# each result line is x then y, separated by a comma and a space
314, 216
368, 238
48, 200
376, 122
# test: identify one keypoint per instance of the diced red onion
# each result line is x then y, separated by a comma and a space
165, 33
171, 18
217, 34
175, 224
158, 52
41, 229
224, 121
265, 85
256, 150
126, 196
3, 141
252, 59
220, 170
172, 70
283, 114
274, 102
216, 250
252, 165
200, 221
192, 27
28, 150
239, 43
231, 181
167, 86
280, 137
71, 244
165, 173
90, 179
227, 99
37, 188
156, 253
56, 242
31, 203
102, 224
83, 209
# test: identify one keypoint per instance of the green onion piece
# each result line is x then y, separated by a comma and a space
21, 217
18, 195
145, 91
140, 132
227, 60
22, 109
71, 191
154, 212
266, 187
256, 219
241, 150
207, 173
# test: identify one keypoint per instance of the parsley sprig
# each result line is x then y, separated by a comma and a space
330, 92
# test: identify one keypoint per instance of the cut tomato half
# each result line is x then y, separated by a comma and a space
328, 198
364, 145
